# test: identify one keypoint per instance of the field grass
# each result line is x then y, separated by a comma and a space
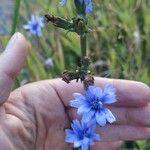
119, 44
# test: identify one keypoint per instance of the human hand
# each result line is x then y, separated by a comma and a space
34, 116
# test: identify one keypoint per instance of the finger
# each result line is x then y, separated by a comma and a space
139, 116
129, 93
123, 132
11, 61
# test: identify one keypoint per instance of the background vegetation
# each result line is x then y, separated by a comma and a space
119, 44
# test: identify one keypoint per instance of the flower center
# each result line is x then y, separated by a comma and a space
96, 104
35, 26
83, 134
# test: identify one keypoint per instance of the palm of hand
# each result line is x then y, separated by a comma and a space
35, 118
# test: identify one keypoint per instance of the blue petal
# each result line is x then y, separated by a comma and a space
83, 109
70, 136
90, 89
92, 127
33, 18
40, 21
97, 91
100, 118
93, 92
87, 117
109, 99
27, 27
89, 94
77, 123
39, 32
109, 88
33, 31
87, 2
76, 126
77, 143
97, 137
84, 147
79, 100
85, 140
109, 116
92, 122
78, 96
109, 94
85, 144
89, 8
76, 103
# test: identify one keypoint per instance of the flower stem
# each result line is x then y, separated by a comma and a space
79, 148
83, 45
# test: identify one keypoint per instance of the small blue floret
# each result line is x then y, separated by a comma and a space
34, 25
81, 135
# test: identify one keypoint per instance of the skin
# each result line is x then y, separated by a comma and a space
34, 116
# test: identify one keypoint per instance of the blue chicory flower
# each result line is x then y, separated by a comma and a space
88, 4
34, 25
81, 135
91, 105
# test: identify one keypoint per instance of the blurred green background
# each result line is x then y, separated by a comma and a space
119, 44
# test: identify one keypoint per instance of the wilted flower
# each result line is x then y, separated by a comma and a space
63, 2
34, 25
79, 3
81, 135
48, 62
91, 105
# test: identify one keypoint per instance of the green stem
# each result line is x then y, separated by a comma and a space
83, 45
16, 16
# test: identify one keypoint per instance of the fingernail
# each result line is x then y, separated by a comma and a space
11, 41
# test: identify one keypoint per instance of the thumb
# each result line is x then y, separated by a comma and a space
11, 61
